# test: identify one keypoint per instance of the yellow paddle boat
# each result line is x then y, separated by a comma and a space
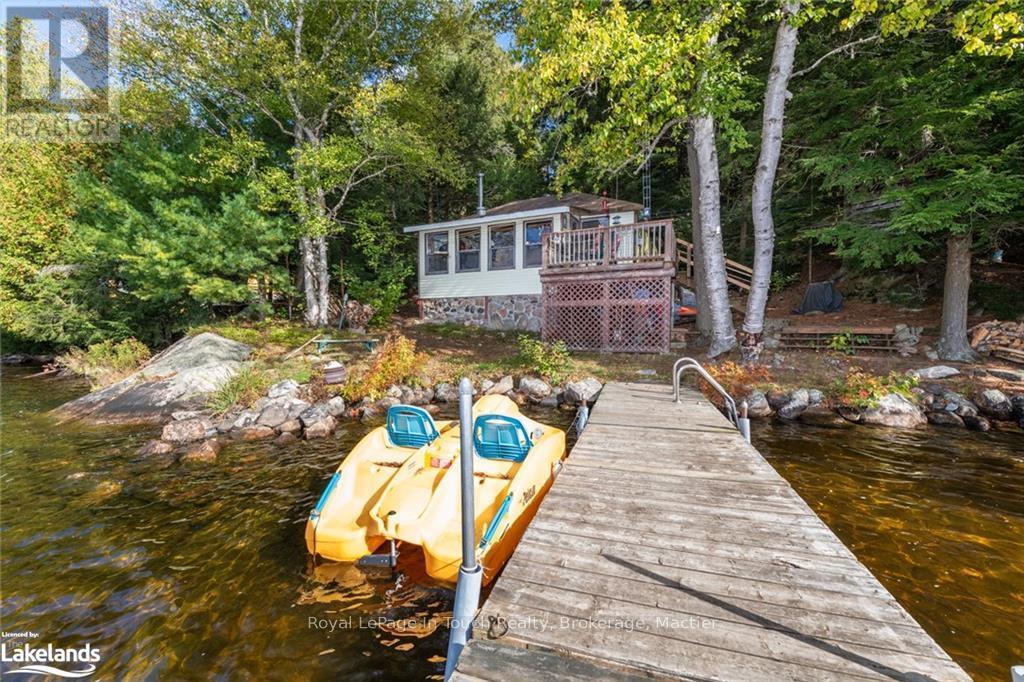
401, 483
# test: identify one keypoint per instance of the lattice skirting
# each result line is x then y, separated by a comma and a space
629, 313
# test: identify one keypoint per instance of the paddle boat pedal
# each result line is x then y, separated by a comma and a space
389, 560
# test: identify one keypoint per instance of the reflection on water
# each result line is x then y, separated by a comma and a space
938, 517
199, 572
193, 572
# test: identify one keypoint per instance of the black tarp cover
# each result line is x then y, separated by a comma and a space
820, 296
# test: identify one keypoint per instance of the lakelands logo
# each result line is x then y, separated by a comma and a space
74, 662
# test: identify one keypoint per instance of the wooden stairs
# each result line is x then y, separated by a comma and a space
737, 274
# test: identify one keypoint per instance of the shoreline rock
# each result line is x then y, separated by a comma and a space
177, 379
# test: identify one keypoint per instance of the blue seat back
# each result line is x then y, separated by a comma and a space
410, 427
497, 436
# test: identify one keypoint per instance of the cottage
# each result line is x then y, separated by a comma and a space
578, 267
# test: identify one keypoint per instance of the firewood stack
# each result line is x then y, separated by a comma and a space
1002, 339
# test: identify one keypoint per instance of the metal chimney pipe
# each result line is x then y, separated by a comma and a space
480, 210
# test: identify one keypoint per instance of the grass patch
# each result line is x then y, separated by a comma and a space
107, 362
284, 334
245, 388
449, 330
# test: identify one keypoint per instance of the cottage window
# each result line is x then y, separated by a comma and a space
437, 253
533, 235
469, 250
503, 247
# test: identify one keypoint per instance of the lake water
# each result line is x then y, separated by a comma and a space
938, 517
198, 572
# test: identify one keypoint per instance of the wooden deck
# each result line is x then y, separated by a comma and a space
669, 548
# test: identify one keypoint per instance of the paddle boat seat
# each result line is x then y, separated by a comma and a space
410, 427
498, 436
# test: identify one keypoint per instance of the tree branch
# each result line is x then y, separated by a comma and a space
848, 46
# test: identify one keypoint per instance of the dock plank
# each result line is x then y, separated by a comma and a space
669, 548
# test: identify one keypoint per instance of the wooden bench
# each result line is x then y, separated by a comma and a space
324, 344
820, 338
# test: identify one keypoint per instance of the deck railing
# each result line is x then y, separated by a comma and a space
650, 243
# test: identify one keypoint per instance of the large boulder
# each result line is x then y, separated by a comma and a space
757, 405
335, 406
501, 387
944, 418
203, 451
320, 429
318, 413
280, 410
821, 415
534, 388
896, 411
187, 431
1018, 409
993, 403
795, 406
179, 378
585, 391
935, 372
446, 393
288, 387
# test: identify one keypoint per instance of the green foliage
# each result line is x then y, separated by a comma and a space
861, 389
925, 127
394, 362
1002, 301
551, 360
243, 389
174, 243
611, 77
846, 342
380, 271
36, 238
781, 281
106, 362
261, 333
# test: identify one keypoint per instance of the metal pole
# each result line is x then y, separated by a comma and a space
582, 417
743, 423
467, 590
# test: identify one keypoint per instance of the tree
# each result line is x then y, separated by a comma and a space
164, 239
326, 75
775, 97
938, 134
614, 80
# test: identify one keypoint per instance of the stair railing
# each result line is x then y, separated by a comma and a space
737, 417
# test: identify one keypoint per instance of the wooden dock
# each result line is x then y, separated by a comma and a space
669, 548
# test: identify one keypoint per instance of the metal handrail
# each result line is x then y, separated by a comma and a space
683, 364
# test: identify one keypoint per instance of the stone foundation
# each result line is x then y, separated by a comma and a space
494, 312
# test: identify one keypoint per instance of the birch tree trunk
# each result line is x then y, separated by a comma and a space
953, 343
723, 335
704, 326
775, 96
308, 252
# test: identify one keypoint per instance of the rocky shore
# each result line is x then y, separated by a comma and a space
930, 402
286, 414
